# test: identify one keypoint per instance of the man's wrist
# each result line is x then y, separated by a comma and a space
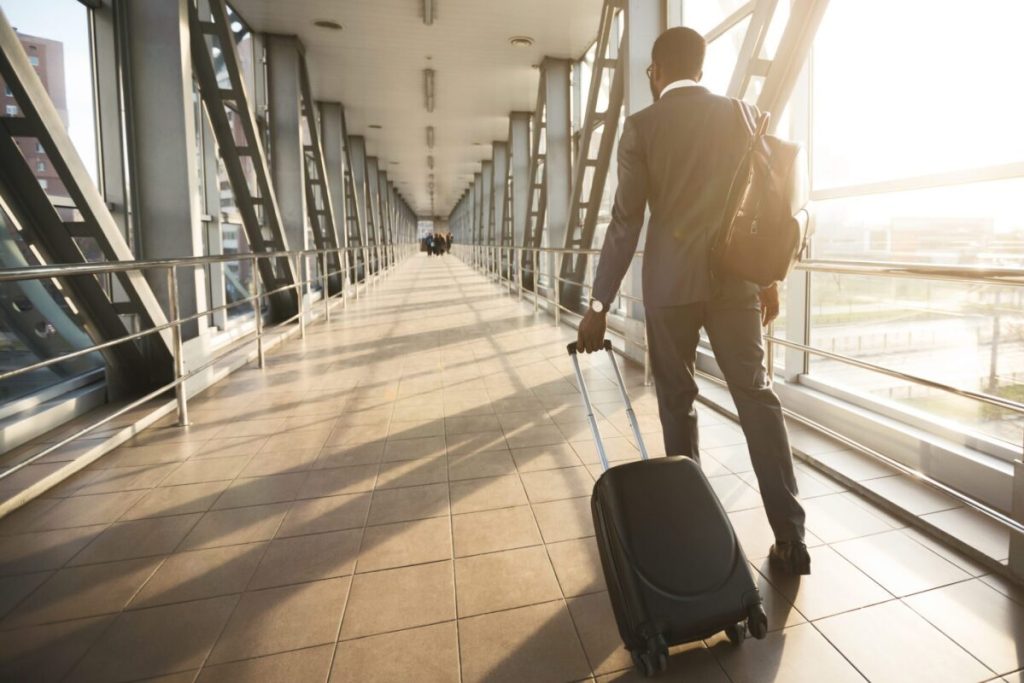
598, 306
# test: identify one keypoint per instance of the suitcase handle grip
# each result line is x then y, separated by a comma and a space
573, 349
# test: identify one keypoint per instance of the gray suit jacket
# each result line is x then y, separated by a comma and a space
678, 156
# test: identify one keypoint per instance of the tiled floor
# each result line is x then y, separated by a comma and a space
404, 497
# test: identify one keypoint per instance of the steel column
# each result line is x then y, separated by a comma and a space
165, 175
499, 187
557, 157
283, 55
519, 150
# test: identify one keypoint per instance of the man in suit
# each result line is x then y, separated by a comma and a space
679, 156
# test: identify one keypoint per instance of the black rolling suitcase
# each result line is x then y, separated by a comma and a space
674, 568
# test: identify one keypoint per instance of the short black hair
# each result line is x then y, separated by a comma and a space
679, 52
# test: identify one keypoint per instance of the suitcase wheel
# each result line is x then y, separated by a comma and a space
653, 660
757, 622
736, 633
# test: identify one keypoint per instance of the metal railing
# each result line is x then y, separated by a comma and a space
310, 265
491, 258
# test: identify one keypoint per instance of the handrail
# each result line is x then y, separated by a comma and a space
970, 274
69, 270
171, 266
959, 273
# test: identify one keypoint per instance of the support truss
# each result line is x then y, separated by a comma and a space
241, 149
591, 168
354, 224
537, 191
319, 207
83, 232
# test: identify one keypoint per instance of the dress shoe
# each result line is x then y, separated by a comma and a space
791, 557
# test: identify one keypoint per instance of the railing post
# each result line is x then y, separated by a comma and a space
536, 280
258, 313
558, 299
327, 297
511, 279
518, 254
300, 264
179, 351
647, 359
344, 283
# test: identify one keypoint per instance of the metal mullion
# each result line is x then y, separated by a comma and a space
736, 17
760, 20
1008, 171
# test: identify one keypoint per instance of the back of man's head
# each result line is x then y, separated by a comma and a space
679, 53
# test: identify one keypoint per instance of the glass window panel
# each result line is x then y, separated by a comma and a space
239, 280
915, 87
58, 30
773, 36
966, 336
975, 224
721, 56
704, 15
36, 323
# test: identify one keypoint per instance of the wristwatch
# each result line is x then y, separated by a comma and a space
596, 306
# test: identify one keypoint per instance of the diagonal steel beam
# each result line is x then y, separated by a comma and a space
58, 236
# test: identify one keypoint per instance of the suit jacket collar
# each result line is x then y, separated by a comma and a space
686, 92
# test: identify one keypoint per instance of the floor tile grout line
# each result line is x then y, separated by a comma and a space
953, 640
551, 567
451, 532
238, 600
114, 616
355, 562
451, 515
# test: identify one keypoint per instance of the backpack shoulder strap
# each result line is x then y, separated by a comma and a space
754, 121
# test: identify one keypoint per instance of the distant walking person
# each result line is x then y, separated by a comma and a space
678, 156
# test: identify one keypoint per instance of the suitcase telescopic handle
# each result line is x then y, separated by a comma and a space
634, 425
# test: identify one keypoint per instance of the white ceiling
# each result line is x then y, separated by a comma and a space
375, 64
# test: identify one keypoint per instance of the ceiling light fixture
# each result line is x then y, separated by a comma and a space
520, 41
430, 137
327, 23
428, 88
428, 12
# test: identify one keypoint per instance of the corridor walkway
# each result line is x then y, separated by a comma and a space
404, 497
